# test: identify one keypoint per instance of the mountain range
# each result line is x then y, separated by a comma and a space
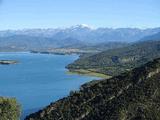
75, 37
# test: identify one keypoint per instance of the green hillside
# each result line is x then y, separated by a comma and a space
134, 95
116, 61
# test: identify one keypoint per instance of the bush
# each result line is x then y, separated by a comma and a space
9, 109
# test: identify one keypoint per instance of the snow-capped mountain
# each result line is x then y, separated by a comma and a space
86, 33
72, 36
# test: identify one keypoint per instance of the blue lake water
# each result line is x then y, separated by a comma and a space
38, 79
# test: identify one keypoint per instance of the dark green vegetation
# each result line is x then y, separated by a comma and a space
116, 61
134, 95
9, 109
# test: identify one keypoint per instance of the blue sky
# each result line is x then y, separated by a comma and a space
19, 14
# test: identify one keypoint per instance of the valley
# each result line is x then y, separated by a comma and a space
122, 67
79, 60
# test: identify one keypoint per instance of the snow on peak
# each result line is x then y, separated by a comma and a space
83, 26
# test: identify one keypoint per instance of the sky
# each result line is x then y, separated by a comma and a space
20, 14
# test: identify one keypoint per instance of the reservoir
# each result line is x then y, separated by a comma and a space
38, 79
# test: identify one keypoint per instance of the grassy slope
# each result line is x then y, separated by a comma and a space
88, 72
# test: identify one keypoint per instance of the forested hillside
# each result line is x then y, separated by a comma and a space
116, 61
134, 95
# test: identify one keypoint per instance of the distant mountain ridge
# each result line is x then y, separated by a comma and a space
152, 37
86, 33
79, 36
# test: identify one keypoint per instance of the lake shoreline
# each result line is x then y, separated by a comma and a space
69, 71
76, 71
87, 73
41, 77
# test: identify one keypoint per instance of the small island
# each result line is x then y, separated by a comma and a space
8, 62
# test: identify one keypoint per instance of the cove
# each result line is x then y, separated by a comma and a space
38, 79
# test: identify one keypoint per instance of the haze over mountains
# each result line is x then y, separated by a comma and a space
77, 36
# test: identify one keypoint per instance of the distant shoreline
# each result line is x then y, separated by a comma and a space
64, 52
70, 71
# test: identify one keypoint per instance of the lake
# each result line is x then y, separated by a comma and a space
38, 79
